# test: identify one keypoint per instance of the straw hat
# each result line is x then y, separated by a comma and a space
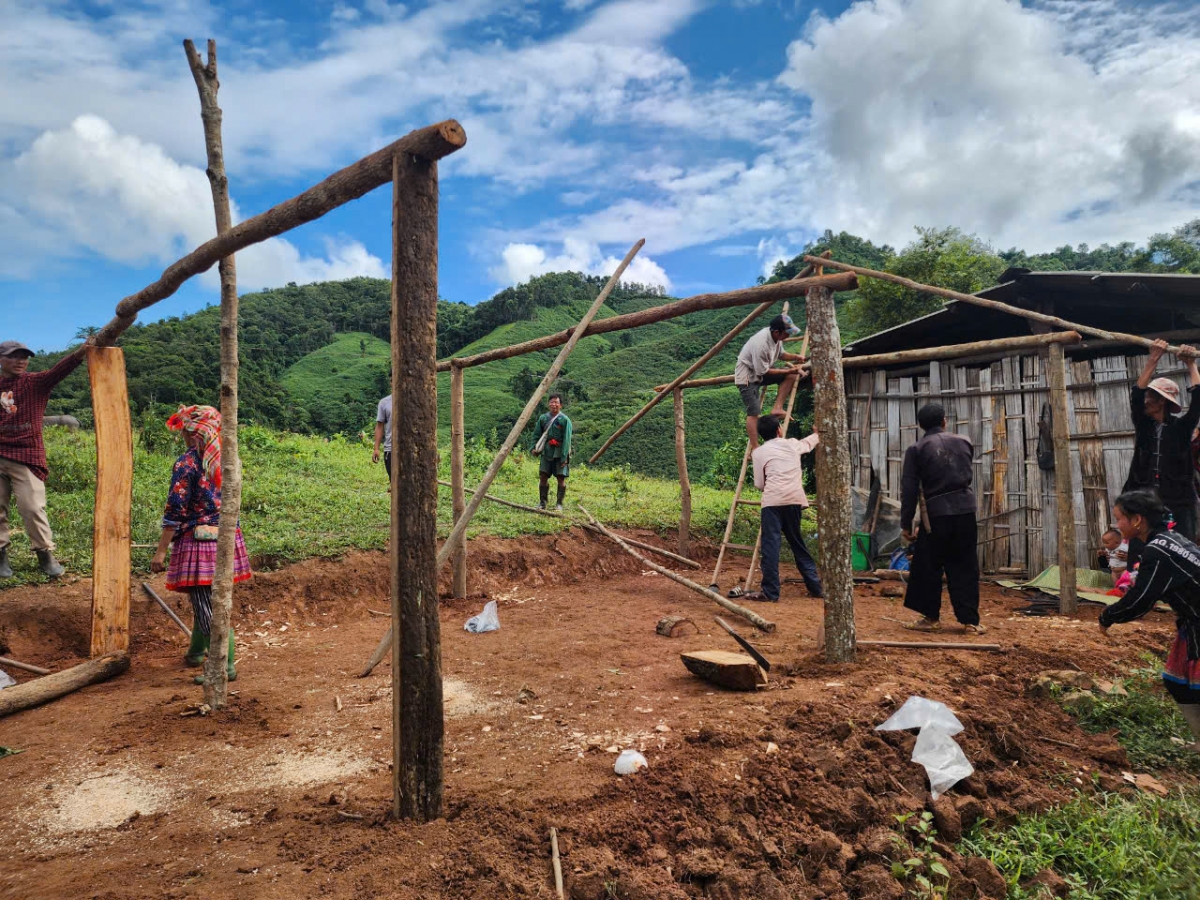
1168, 390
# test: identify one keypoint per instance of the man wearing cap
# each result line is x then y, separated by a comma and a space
753, 370
1162, 450
23, 399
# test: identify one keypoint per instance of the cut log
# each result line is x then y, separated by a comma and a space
51, 687
674, 626
753, 618
782, 290
735, 671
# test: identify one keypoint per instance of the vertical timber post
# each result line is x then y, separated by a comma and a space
114, 501
1068, 603
458, 497
417, 725
833, 475
685, 484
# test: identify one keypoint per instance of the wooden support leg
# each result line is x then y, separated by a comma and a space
111, 533
417, 724
685, 485
458, 497
833, 476
1057, 379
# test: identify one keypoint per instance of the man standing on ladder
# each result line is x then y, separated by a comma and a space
23, 470
753, 370
938, 467
552, 442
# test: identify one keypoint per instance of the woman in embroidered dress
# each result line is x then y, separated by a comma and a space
190, 524
1169, 571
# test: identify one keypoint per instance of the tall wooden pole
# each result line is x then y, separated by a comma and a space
1060, 427
458, 498
417, 725
685, 484
215, 676
833, 475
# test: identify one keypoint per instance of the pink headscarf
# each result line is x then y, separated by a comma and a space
204, 421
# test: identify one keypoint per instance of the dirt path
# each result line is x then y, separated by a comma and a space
784, 793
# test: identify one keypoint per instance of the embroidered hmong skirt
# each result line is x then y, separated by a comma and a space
193, 563
1181, 676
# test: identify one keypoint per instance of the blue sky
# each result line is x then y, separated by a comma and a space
725, 133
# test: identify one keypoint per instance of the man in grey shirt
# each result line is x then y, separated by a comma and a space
383, 432
753, 370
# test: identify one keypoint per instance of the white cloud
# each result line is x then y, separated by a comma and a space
770, 251
126, 200
520, 262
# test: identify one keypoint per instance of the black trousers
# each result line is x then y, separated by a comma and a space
784, 522
950, 548
387, 464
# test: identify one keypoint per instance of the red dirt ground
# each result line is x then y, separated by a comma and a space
785, 793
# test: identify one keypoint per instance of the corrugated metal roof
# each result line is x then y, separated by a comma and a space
1137, 303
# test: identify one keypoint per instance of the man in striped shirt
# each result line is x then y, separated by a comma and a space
23, 470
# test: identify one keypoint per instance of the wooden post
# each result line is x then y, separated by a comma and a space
489, 476
833, 475
1060, 426
417, 724
458, 499
685, 484
112, 528
215, 675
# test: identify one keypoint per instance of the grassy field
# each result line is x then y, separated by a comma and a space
310, 496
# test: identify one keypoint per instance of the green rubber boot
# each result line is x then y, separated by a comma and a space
197, 650
230, 671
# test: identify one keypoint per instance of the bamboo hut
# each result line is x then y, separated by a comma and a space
999, 400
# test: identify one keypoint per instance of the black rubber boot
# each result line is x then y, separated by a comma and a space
5, 569
50, 566
543, 494
562, 493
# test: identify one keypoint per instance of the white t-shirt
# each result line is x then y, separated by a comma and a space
758, 355
777, 471
384, 417
1117, 558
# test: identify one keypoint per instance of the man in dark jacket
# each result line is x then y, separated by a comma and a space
1162, 450
938, 468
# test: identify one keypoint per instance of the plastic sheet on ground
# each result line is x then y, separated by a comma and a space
936, 749
6, 680
488, 620
629, 762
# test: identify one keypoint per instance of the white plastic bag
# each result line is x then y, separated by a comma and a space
629, 762
936, 749
488, 620
6, 680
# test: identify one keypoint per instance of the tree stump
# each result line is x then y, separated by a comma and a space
674, 626
735, 671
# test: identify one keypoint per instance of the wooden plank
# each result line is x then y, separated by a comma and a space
735, 671
895, 448
1000, 526
879, 435
1056, 375
1014, 406
1085, 420
983, 473
1112, 404
112, 529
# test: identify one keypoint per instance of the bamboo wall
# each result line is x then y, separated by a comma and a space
998, 406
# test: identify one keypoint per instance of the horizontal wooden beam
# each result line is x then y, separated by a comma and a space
763, 293
350, 183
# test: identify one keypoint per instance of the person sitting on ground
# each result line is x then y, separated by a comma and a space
938, 467
383, 433
552, 442
753, 370
1169, 571
189, 527
1113, 554
23, 468
778, 475
1162, 452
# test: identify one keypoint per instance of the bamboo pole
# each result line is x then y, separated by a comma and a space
557, 515
215, 674
418, 726
750, 616
556, 864
350, 183
833, 475
460, 527
1068, 603
780, 290
998, 306
685, 483
688, 372
931, 645
458, 502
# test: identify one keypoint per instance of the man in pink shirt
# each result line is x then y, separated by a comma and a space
777, 474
